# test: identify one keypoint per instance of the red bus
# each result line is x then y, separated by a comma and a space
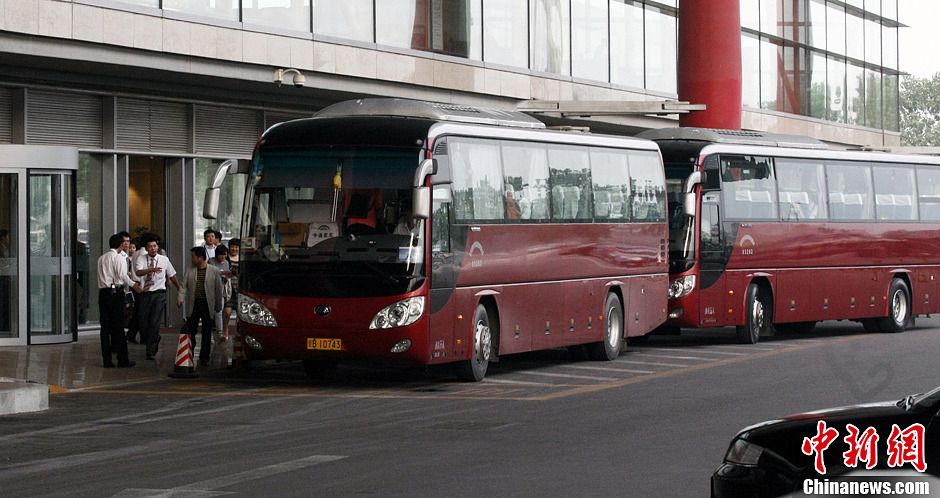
425, 233
778, 232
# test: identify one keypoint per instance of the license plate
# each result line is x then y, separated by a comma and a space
324, 344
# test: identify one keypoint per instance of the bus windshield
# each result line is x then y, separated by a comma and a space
332, 223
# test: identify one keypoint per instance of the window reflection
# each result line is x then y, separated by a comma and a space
750, 74
349, 19
626, 43
550, 36
505, 32
287, 14
661, 51
226, 10
589, 39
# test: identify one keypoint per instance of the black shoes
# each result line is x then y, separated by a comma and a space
204, 363
150, 357
126, 364
109, 365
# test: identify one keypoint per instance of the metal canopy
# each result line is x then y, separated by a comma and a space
585, 108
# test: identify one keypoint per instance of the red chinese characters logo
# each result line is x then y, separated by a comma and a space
904, 446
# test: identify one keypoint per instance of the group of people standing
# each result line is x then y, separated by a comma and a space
140, 280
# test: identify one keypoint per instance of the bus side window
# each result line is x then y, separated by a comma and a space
711, 224
440, 222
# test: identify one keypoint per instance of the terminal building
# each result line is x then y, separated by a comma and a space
114, 114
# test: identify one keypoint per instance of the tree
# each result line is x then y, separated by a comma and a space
920, 111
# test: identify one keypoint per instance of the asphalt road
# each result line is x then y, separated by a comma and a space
656, 422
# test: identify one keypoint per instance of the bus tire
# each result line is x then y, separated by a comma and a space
609, 348
899, 308
484, 333
757, 316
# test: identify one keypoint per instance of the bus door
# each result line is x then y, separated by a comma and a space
444, 271
712, 261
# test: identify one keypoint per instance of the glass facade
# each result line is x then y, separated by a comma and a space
827, 59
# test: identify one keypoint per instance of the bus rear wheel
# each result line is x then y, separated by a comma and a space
899, 308
474, 369
609, 348
758, 313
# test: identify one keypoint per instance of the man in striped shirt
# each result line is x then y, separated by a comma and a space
201, 293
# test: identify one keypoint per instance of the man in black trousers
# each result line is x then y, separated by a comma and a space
113, 282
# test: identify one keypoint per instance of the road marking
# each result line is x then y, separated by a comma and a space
674, 357
654, 363
567, 376
708, 351
610, 369
211, 487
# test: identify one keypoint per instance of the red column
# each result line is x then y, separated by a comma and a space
709, 69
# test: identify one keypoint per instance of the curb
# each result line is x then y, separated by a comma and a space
18, 396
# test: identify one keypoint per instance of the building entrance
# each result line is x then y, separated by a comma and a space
37, 288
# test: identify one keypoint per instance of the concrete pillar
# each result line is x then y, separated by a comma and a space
709, 69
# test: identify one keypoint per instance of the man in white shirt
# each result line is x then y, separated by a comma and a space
113, 279
211, 242
154, 271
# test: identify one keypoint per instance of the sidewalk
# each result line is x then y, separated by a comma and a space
29, 373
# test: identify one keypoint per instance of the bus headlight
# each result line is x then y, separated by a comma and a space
681, 286
253, 312
744, 453
399, 314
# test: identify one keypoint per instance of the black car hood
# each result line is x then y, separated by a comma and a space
784, 437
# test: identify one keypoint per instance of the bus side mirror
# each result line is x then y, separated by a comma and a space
210, 205
421, 208
688, 201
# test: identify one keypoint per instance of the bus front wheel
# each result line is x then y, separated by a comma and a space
609, 348
474, 369
899, 308
758, 313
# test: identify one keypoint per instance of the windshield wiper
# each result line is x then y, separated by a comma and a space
907, 403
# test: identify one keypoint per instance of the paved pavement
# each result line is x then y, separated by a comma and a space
29, 373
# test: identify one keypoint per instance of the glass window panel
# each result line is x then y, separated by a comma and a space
589, 42
750, 75
748, 187
856, 3
928, 190
526, 180
835, 81
505, 32
850, 192
818, 98
835, 28
551, 35
770, 77
873, 42
801, 189
854, 94
89, 236
770, 17
350, 19
889, 9
570, 180
626, 47
661, 51
478, 182
895, 193
891, 110
873, 102
456, 28
873, 6
226, 10
286, 14
611, 176
817, 24
403, 23
750, 14
889, 47
855, 31
146, 3
646, 182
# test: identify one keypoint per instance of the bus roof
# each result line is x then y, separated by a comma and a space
437, 111
737, 137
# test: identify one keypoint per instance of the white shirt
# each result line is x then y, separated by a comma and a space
158, 278
112, 270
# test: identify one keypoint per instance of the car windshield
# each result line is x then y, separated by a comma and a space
332, 223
